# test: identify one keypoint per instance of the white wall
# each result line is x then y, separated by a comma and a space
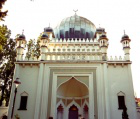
120, 80
28, 76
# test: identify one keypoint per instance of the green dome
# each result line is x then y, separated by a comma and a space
75, 27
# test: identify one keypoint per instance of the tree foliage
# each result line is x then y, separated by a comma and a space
33, 49
7, 58
4, 35
2, 14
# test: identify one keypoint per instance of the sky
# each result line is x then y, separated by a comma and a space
113, 15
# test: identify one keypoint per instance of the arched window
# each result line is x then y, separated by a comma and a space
60, 110
121, 100
23, 101
85, 112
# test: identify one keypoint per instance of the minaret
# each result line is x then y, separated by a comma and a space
21, 44
43, 44
103, 40
126, 46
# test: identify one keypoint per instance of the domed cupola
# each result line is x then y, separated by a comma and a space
100, 30
21, 40
125, 37
49, 32
125, 40
44, 35
48, 29
75, 27
22, 36
103, 36
103, 40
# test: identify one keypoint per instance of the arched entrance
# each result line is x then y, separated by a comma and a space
73, 93
73, 112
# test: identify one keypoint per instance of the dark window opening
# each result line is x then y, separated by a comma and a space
77, 34
23, 103
87, 35
121, 102
82, 33
61, 34
66, 34
71, 33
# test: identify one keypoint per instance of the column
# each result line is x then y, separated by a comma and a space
38, 95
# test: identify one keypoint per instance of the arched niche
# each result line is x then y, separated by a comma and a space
24, 94
121, 100
72, 88
121, 93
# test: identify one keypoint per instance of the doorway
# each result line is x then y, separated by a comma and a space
73, 112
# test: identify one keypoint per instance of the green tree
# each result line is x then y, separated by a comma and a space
30, 48
33, 49
7, 58
4, 35
2, 14
37, 49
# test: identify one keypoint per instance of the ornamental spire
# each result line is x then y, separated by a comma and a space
124, 32
75, 11
22, 31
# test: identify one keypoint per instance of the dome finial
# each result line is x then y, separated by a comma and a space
124, 32
75, 11
22, 31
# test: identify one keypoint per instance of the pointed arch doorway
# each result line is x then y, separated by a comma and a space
73, 93
73, 112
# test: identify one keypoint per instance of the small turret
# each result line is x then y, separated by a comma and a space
50, 32
21, 44
43, 44
103, 40
126, 46
99, 32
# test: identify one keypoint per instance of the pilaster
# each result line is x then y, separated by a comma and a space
45, 91
106, 91
53, 98
91, 97
100, 93
38, 94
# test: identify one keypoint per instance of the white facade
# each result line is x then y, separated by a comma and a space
74, 76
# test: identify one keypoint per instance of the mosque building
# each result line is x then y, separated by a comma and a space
73, 78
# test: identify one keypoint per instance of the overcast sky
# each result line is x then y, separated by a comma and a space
114, 15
